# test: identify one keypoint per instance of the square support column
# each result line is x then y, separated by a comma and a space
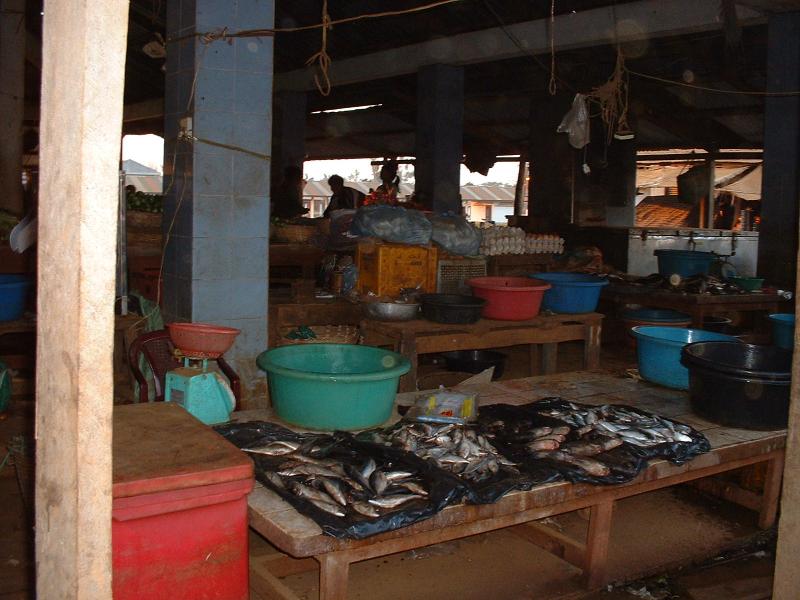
215, 267
290, 132
440, 123
777, 243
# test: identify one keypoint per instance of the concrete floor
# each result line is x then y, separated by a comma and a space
668, 535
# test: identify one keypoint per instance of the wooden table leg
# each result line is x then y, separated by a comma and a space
549, 358
408, 348
591, 348
772, 492
334, 570
597, 544
535, 359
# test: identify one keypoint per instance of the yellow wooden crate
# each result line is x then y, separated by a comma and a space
384, 268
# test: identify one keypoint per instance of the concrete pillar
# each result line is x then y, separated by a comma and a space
215, 267
618, 183
777, 244
290, 132
81, 128
12, 98
552, 164
440, 122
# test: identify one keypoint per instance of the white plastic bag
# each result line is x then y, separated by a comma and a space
576, 122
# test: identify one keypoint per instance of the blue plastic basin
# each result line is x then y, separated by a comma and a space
571, 293
333, 386
783, 330
656, 315
13, 292
659, 352
684, 262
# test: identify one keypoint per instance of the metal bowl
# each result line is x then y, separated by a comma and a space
391, 311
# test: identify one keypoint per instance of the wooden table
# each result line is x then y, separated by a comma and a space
543, 333
334, 311
301, 538
698, 306
304, 256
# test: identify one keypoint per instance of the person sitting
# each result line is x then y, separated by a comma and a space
387, 191
343, 197
287, 199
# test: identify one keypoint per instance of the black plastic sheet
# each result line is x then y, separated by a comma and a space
443, 489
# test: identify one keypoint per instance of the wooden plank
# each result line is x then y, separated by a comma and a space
80, 130
597, 542
729, 491
282, 565
549, 358
553, 541
266, 585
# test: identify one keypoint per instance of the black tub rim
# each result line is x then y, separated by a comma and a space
452, 300
689, 360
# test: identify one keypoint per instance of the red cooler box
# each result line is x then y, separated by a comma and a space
180, 507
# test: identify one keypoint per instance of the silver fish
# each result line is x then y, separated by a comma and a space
398, 475
308, 469
378, 482
392, 501
368, 468
275, 480
334, 490
412, 487
591, 466
304, 491
276, 448
328, 507
365, 509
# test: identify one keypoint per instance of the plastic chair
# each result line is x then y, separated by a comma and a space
159, 352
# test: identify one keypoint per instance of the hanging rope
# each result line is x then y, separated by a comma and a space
612, 99
321, 58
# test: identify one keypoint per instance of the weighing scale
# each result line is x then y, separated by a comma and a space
201, 391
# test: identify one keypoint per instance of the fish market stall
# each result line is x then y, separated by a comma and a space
541, 446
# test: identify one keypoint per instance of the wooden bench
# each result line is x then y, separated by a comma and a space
301, 538
543, 333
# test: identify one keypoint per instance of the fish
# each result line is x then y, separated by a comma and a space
398, 475
366, 509
393, 501
304, 491
591, 466
328, 507
542, 444
538, 432
412, 487
308, 469
378, 482
368, 468
561, 430
275, 479
334, 490
276, 448
357, 476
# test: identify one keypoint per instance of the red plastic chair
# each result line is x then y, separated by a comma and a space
159, 352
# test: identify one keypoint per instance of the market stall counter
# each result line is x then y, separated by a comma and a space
724, 449
698, 306
543, 333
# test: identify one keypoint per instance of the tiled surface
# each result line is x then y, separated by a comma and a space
216, 260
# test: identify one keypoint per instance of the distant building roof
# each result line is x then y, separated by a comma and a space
131, 167
665, 211
492, 194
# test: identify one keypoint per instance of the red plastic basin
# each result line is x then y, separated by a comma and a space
202, 340
509, 298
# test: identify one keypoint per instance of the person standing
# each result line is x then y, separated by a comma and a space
343, 197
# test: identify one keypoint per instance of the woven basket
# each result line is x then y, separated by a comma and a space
293, 233
326, 334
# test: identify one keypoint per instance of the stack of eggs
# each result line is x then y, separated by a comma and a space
513, 240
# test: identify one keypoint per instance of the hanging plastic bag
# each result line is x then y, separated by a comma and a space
576, 123
455, 234
392, 224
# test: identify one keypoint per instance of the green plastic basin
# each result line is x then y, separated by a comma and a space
333, 386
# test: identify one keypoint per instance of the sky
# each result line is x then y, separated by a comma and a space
149, 151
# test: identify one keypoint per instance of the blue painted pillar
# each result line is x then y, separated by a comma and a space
439, 136
215, 266
780, 188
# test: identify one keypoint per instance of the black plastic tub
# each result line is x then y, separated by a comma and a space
718, 324
451, 308
475, 361
739, 385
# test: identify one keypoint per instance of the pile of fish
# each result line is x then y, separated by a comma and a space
622, 423
695, 284
339, 487
455, 448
